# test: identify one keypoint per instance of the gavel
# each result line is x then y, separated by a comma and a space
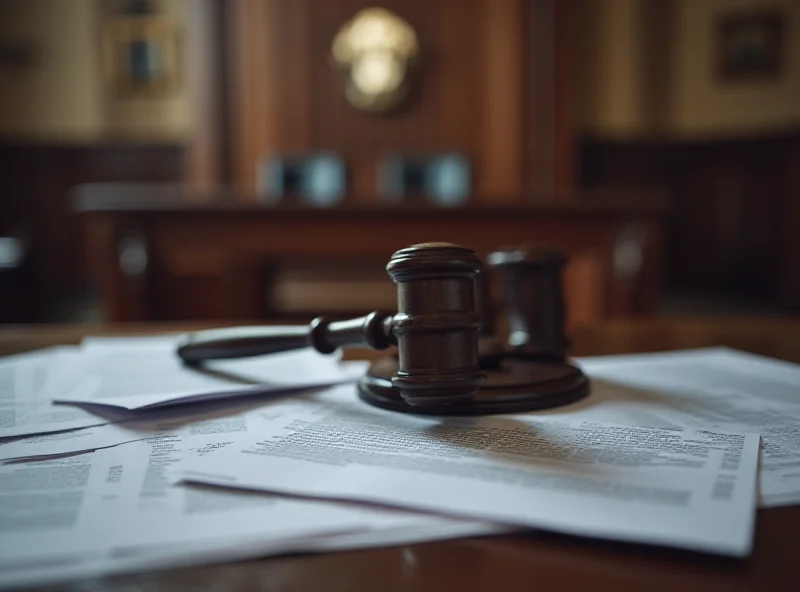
534, 302
443, 364
436, 328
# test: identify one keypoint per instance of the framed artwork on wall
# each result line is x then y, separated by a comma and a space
750, 46
141, 56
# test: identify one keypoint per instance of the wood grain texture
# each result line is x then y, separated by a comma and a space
540, 122
503, 68
790, 289
468, 92
564, 147
190, 240
734, 223
129, 297
550, 156
458, 77
292, 88
207, 154
254, 80
37, 202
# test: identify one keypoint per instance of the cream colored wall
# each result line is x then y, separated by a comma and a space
616, 50
611, 94
701, 106
61, 96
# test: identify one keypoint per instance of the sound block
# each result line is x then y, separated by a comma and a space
514, 384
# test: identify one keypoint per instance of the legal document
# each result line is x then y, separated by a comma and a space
123, 425
158, 421
715, 389
117, 509
112, 380
120, 496
25, 407
692, 489
137, 374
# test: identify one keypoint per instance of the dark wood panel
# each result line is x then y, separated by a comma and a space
252, 48
502, 61
362, 138
791, 231
563, 148
732, 225
550, 152
214, 253
455, 70
469, 91
730, 217
36, 202
293, 27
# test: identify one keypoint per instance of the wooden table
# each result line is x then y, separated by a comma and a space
535, 561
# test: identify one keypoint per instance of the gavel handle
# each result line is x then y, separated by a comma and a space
324, 335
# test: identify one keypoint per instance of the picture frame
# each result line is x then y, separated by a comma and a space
750, 46
141, 56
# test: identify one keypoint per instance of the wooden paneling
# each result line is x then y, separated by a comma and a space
548, 120
733, 228
36, 202
216, 255
791, 230
293, 26
207, 159
361, 138
458, 77
563, 149
503, 56
469, 94
255, 85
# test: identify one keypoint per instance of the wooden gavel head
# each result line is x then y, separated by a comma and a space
436, 371
534, 301
436, 326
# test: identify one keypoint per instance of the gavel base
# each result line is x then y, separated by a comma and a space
514, 385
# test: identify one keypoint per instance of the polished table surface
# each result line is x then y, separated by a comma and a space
532, 561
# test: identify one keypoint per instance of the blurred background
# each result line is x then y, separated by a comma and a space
247, 159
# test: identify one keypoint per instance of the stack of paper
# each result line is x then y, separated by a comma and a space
99, 500
170, 466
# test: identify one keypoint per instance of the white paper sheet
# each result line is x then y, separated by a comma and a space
120, 496
158, 421
142, 373
25, 407
114, 425
689, 489
30, 382
715, 388
116, 510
